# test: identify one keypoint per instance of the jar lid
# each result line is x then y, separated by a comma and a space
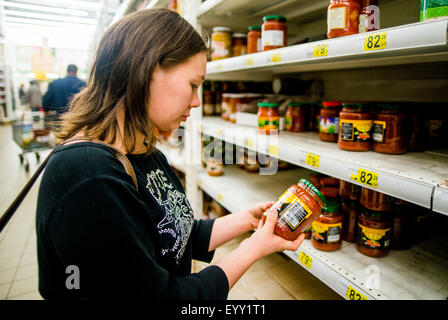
269, 104
314, 189
376, 214
274, 17
387, 107
332, 192
332, 206
355, 105
254, 28
239, 35
297, 104
331, 103
222, 29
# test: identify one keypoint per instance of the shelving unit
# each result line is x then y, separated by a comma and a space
6, 110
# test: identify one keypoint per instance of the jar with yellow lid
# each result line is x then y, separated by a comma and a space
221, 43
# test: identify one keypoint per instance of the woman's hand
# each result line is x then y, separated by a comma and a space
254, 214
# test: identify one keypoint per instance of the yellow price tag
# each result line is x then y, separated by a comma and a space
219, 133
305, 259
273, 149
249, 142
353, 294
320, 50
219, 67
220, 197
249, 62
366, 177
375, 41
276, 57
200, 182
312, 160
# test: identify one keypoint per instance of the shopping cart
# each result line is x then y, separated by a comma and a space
33, 133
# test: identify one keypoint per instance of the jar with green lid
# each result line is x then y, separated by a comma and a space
327, 228
273, 32
355, 125
296, 116
254, 39
268, 117
388, 132
433, 9
374, 233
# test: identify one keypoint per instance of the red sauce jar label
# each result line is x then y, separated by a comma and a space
326, 232
373, 238
292, 210
355, 130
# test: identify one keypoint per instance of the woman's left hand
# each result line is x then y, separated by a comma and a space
255, 213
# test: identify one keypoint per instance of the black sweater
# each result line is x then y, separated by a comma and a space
97, 237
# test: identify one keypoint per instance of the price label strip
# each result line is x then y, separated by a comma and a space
305, 259
368, 178
312, 160
375, 41
320, 50
353, 294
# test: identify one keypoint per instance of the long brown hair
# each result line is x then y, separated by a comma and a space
121, 72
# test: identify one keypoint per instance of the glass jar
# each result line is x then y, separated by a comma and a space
254, 39
268, 117
369, 16
273, 32
388, 133
314, 116
349, 190
235, 100
374, 200
297, 208
329, 121
239, 44
355, 124
330, 192
208, 103
225, 106
350, 210
221, 43
295, 118
374, 233
401, 231
327, 228
342, 18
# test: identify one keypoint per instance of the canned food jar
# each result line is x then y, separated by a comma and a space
388, 133
350, 210
221, 43
342, 18
349, 190
254, 39
225, 106
297, 208
374, 233
329, 121
374, 200
273, 32
296, 116
327, 228
268, 117
239, 44
355, 125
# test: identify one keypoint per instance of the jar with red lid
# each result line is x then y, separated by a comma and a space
268, 117
273, 32
239, 44
374, 200
349, 190
329, 182
369, 16
327, 228
296, 116
254, 39
329, 121
374, 233
342, 18
350, 210
355, 125
388, 133
330, 192
297, 208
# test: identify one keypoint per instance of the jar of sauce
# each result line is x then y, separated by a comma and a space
342, 18
297, 208
239, 44
329, 121
401, 231
273, 32
350, 210
208, 103
327, 228
388, 134
235, 100
374, 233
369, 17
254, 39
221, 43
225, 106
349, 190
295, 118
355, 124
268, 117
374, 200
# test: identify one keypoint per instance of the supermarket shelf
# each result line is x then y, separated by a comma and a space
175, 156
440, 203
411, 176
423, 42
409, 274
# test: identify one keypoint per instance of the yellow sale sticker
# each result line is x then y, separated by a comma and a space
249, 61
273, 149
312, 160
366, 177
375, 41
320, 50
353, 294
249, 143
276, 57
305, 259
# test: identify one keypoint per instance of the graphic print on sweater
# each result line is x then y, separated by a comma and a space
178, 219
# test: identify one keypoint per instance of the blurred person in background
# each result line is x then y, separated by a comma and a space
33, 96
60, 91
22, 93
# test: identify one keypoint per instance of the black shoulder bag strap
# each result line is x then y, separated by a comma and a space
4, 219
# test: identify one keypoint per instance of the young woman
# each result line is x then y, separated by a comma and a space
98, 235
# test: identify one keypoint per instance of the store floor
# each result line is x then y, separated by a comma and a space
273, 277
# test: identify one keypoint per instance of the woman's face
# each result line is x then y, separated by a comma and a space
174, 92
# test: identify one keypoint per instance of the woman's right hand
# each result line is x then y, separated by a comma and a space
264, 242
